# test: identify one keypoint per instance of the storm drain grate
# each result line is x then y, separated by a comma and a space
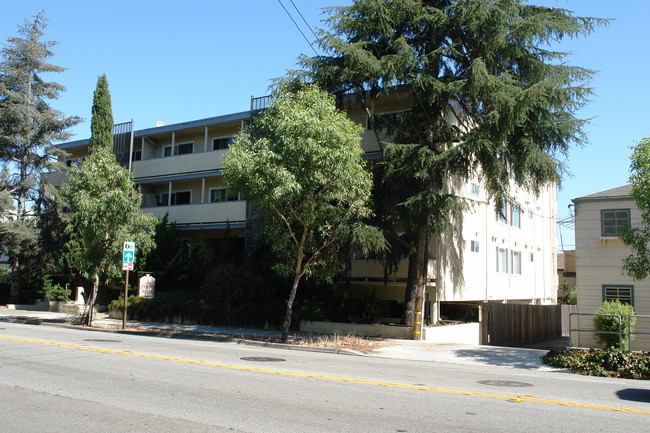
262, 359
505, 383
101, 340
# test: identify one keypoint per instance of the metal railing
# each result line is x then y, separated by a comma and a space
629, 328
593, 331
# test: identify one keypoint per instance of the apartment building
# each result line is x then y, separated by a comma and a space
490, 257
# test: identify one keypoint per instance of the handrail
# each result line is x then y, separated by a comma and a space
620, 334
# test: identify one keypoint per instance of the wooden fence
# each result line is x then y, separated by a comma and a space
516, 324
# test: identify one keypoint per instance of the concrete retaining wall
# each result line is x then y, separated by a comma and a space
385, 331
464, 333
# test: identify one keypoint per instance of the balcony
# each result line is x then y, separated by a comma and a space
373, 270
200, 215
57, 178
192, 163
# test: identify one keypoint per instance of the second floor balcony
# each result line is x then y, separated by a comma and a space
214, 215
191, 163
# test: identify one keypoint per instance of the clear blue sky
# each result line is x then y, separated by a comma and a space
180, 61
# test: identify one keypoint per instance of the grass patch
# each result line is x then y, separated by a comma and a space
336, 341
609, 362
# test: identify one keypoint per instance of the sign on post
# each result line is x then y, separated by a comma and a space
128, 254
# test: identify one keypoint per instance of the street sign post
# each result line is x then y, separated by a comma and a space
128, 258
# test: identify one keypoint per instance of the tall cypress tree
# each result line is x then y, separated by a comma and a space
101, 123
28, 129
488, 97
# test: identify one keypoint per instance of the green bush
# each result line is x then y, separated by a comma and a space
570, 294
610, 323
608, 363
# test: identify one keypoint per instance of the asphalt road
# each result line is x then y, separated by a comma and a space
56, 379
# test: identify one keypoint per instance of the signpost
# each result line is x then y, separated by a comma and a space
128, 254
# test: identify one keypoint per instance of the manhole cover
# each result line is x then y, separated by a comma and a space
505, 383
262, 359
101, 340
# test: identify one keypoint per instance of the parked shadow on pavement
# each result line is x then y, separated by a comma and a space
502, 356
634, 394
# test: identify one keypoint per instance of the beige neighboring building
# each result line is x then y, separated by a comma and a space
566, 270
178, 169
600, 252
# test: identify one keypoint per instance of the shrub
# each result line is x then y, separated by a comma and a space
609, 362
570, 294
610, 323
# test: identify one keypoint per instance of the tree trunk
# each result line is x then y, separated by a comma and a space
411, 290
14, 291
91, 300
421, 281
287, 315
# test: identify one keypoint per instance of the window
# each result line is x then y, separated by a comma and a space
222, 194
221, 143
474, 246
612, 221
515, 267
530, 214
178, 197
514, 216
502, 260
532, 257
179, 149
476, 191
75, 161
625, 294
502, 216
136, 156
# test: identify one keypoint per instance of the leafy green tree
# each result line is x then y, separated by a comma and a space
570, 294
487, 96
300, 163
106, 209
637, 264
611, 323
28, 127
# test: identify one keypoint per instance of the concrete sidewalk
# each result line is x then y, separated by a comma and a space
510, 357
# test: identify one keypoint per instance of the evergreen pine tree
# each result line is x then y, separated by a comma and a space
28, 129
101, 123
487, 94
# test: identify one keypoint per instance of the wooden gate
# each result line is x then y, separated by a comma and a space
516, 324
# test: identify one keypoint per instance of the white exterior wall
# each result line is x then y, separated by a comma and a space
598, 262
464, 275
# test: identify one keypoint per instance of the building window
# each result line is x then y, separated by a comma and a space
532, 257
502, 260
625, 294
530, 214
502, 216
476, 191
76, 161
136, 155
179, 149
612, 221
222, 194
474, 246
178, 198
515, 262
515, 212
221, 143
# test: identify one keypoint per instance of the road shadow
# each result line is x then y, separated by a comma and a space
502, 356
634, 394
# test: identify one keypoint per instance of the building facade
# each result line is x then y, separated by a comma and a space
600, 253
487, 258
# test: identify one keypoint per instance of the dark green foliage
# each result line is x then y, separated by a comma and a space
175, 263
484, 96
610, 323
189, 307
28, 127
101, 123
637, 264
608, 363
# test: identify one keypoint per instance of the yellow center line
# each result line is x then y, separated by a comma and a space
515, 398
